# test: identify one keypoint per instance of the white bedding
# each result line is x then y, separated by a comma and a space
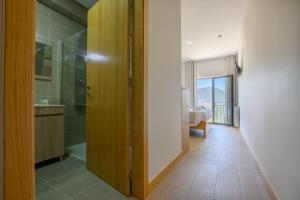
196, 116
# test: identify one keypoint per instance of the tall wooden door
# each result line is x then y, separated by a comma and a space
108, 93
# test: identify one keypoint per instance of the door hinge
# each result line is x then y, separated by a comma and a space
130, 175
130, 82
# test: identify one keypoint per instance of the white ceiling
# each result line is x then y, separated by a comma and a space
87, 3
202, 22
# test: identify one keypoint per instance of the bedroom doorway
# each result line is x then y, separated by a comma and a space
216, 94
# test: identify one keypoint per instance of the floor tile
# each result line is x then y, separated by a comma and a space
45, 192
227, 164
75, 181
223, 166
38, 181
203, 184
56, 170
247, 165
169, 193
228, 186
78, 151
183, 177
219, 167
78, 161
100, 191
253, 187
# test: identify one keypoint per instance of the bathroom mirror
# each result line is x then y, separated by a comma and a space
43, 61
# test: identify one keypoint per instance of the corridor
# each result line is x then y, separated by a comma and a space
219, 168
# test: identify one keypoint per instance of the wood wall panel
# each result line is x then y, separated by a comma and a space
19, 171
1, 93
139, 147
108, 101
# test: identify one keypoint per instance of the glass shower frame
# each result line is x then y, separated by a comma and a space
73, 93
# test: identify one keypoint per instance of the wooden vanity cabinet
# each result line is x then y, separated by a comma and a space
49, 133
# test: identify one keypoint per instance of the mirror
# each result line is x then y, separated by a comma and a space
43, 61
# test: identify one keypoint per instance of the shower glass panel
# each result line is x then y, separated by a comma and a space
74, 65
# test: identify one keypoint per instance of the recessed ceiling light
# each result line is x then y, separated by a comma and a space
220, 35
189, 42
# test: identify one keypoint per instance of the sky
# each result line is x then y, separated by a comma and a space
219, 83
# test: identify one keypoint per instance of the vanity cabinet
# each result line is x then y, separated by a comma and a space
49, 132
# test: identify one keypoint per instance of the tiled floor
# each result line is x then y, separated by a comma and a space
77, 151
217, 168
70, 180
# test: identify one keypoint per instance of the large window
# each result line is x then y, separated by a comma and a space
216, 94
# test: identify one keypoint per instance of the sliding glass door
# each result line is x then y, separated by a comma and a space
216, 94
222, 100
205, 95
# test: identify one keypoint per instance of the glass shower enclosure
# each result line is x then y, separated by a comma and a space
74, 65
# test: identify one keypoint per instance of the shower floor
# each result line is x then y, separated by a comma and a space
77, 151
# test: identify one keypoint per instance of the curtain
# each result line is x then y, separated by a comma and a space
187, 81
214, 68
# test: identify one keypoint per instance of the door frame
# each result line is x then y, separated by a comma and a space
19, 55
213, 95
140, 105
232, 98
1, 93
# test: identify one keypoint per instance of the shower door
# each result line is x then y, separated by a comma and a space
108, 141
73, 93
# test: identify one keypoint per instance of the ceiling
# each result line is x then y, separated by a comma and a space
210, 28
87, 3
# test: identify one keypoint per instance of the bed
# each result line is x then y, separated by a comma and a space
198, 119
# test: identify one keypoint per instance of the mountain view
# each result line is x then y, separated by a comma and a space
205, 94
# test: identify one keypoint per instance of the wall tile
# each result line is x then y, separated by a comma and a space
53, 27
65, 22
42, 11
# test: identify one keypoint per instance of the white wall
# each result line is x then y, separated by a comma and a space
1, 94
222, 66
187, 81
270, 91
164, 86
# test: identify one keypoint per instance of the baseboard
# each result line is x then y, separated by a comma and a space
155, 182
261, 171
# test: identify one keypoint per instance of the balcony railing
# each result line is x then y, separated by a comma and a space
219, 113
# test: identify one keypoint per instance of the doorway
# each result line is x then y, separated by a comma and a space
88, 73
82, 102
19, 101
216, 94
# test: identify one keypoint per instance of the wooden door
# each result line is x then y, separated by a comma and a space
18, 115
108, 92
